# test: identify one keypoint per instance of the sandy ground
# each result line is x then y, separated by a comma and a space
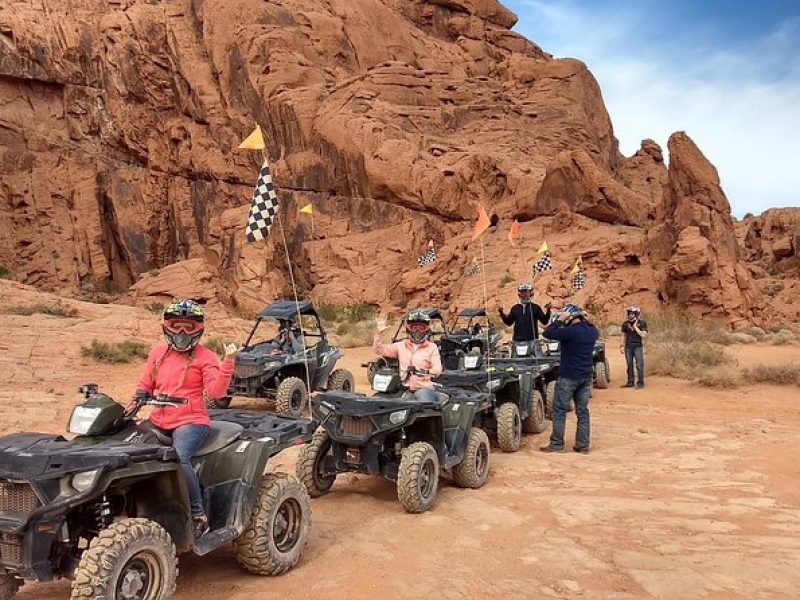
688, 493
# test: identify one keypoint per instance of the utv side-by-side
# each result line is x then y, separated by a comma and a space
404, 439
517, 394
468, 339
110, 509
277, 368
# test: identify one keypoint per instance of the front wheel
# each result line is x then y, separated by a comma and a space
279, 524
311, 462
9, 584
509, 427
418, 477
473, 471
601, 375
291, 397
342, 380
549, 397
535, 422
133, 559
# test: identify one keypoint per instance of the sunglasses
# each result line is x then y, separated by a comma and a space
182, 326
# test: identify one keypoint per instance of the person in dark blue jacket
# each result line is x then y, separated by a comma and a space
577, 337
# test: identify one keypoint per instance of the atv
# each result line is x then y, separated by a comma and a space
470, 337
517, 397
402, 438
109, 509
277, 368
450, 351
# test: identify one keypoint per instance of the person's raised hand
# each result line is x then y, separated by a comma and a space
231, 350
381, 323
548, 306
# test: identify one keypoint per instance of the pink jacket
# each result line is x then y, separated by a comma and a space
423, 356
181, 378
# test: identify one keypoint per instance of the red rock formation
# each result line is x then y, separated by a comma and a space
119, 121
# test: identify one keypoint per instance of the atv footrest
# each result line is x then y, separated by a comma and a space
215, 539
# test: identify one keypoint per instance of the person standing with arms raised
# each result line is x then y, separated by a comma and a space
525, 316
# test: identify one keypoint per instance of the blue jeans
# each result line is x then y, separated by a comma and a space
566, 390
635, 354
187, 440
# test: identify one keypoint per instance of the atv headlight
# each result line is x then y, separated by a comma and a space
522, 349
552, 346
324, 409
273, 365
83, 481
398, 416
492, 384
82, 419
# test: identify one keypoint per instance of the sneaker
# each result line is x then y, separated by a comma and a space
200, 526
580, 450
549, 448
640, 385
627, 385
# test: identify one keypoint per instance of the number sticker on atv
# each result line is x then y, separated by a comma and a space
380, 383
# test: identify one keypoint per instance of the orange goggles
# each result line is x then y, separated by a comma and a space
418, 327
186, 326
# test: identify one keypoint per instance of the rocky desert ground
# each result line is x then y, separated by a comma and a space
688, 493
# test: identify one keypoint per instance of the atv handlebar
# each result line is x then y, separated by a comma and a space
142, 398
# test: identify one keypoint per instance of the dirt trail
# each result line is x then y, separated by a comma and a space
688, 493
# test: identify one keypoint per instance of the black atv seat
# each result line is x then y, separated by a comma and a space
220, 434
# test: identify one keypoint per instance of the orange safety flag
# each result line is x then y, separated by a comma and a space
482, 224
513, 233
254, 141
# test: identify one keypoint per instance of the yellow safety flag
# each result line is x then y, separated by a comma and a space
254, 141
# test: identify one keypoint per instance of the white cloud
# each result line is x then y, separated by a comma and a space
741, 105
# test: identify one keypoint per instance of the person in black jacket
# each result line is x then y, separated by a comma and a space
577, 337
526, 316
634, 330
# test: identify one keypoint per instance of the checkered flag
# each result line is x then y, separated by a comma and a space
579, 280
263, 206
427, 258
473, 270
543, 264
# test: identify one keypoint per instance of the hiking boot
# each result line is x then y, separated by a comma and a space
550, 448
200, 526
627, 385
580, 450
640, 385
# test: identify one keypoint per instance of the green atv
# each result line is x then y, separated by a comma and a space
109, 509
402, 438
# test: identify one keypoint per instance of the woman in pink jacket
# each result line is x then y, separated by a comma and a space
182, 368
415, 351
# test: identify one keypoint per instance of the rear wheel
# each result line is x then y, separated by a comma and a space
509, 427
535, 422
310, 465
601, 375
291, 397
473, 471
549, 397
343, 380
9, 584
278, 531
418, 477
133, 559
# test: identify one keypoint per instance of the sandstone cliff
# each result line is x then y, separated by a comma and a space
119, 121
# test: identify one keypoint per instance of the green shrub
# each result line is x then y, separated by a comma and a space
116, 352
54, 310
684, 360
346, 313
4, 272
674, 327
217, 345
155, 307
505, 280
723, 377
354, 335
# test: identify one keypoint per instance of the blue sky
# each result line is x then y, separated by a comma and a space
726, 72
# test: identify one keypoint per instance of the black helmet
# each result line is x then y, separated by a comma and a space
418, 326
183, 323
574, 311
633, 313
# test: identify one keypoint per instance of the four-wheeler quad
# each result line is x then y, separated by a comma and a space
470, 337
276, 367
517, 395
403, 438
110, 508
